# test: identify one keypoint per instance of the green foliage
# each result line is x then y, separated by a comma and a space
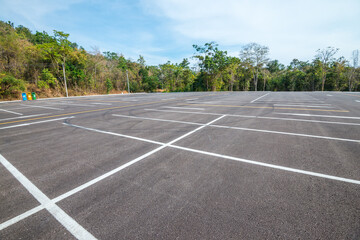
109, 85
9, 85
46, 80
39, 58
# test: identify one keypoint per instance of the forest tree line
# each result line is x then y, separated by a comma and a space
41, 62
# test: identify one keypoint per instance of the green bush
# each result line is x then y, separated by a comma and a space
109, 85
10, 85
46, 80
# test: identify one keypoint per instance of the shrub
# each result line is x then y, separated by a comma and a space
46, 80
10, 85
109, 85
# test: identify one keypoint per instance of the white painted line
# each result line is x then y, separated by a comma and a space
255, 130
312, 115
329, 95
157, 119
357, 100
288, 133
28, 116
69, 223
33, 106
70, 104
191, 99
310, 106
21, 217
294, 102
110, 133
170, 144
167, 98
186, 108
259, 97
31, 123
163, 145
288, 169
259, 117
102, 103
11, 112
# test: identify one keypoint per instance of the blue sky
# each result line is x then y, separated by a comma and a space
163, 30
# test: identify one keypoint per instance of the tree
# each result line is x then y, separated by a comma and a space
355, 61
325, 56
212, 62
256, 56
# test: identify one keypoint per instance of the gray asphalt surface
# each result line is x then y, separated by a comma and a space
225, 165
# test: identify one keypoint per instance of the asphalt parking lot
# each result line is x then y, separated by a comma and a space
212, 165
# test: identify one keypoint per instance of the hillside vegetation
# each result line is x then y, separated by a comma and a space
37, 62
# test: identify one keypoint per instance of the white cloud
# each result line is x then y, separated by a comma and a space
34, 11
292, 29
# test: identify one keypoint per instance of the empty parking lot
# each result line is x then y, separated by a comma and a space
225, 165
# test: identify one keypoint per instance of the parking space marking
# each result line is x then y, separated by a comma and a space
158, 119
95, 180
93, 110
70, 104
101, 103
32, 123
355, 95
110, 133
11, 112
248, 129
186, 108
314, 115
311, 106
36, 106
288, 169
28, 116
280, 108
259, 98
259, 117
64, 219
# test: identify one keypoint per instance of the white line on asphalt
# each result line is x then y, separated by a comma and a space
92, 182
110, 133
21, 217
186, 108
288, 133
310, 106
69, 223
191, 99
11, 112
294, 102
28, 116
259, 98
348, 180
357, 100
246, 161
163, 145
31, 123
312, 115
259, 117
170, 144
33, 106
167, 98
70, 104
102, 103
158, 119
328, 95
88, 184
249, 129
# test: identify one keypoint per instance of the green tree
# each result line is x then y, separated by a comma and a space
212, 62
